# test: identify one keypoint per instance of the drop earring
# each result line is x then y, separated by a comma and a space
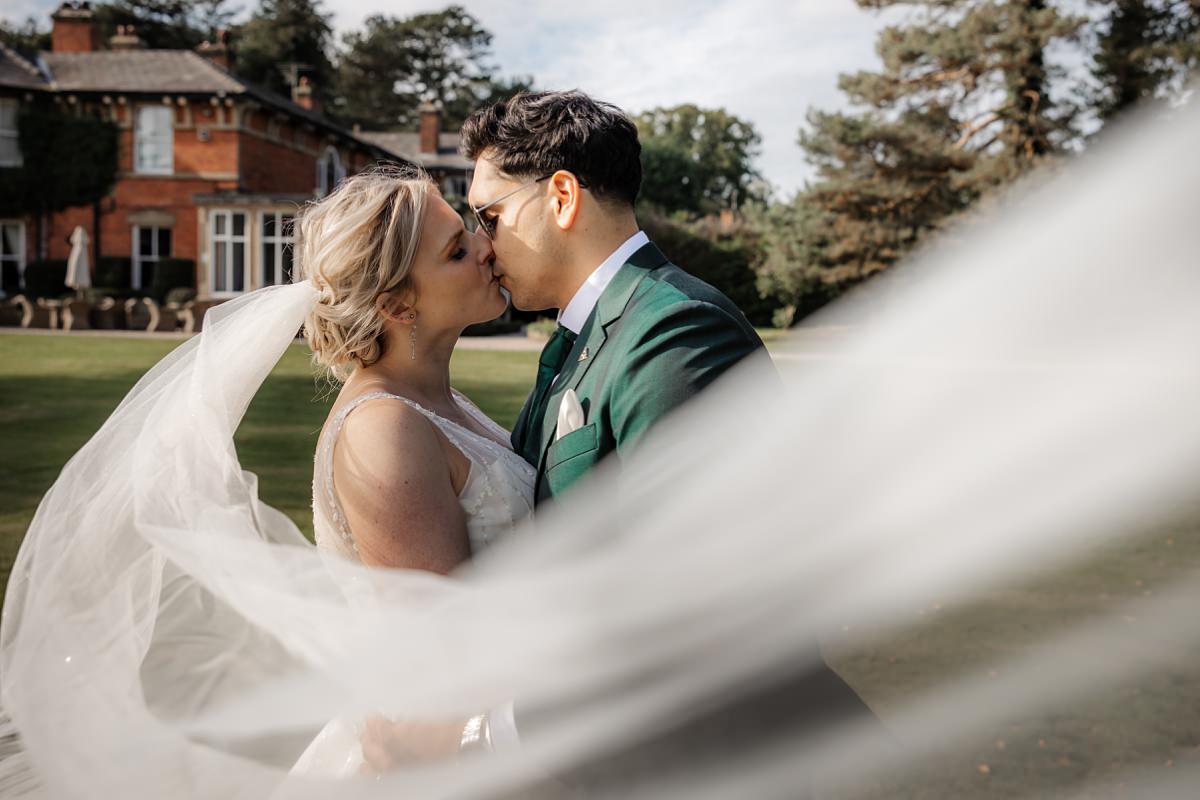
413, 337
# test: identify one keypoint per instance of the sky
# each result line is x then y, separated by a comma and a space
766, 61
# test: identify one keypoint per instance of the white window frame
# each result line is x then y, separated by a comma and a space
339, 171
278, 242
230, 239
165, 140
137, 257
11, 134
19, 259
456, 185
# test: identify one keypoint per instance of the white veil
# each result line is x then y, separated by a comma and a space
1017, 398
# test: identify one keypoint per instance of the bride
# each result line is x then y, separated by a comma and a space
147, 563
400, 277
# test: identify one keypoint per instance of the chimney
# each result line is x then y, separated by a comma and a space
218, 52
304, 96
75, 29
431, 126
125, 38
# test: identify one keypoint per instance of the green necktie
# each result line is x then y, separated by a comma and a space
554, 355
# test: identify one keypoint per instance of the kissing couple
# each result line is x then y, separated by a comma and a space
409, 473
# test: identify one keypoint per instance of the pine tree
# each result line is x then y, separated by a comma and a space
963, 104
1146, 50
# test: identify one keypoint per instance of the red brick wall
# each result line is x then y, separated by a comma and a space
230, 161
171, 195
74, 36
268, 166
192, 156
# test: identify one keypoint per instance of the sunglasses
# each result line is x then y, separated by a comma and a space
489, 226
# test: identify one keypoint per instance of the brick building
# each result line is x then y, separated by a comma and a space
437, 152
210, 168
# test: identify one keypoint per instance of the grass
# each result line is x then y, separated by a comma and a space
55, 392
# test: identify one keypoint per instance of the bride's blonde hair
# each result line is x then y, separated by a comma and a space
354, 245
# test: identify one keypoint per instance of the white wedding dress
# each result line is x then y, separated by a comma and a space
497, 494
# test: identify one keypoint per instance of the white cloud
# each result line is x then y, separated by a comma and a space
764, 60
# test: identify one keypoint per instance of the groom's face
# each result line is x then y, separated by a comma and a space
524, 239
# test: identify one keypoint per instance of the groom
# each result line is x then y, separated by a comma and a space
556, 178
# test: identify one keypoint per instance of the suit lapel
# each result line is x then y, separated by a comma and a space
609, 308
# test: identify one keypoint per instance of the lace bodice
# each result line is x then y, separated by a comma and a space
497, 494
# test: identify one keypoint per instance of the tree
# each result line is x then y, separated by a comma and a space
985, 62
67, 160
394, 64
27, 37
1145, 51
883, 184
166, 24
697, 161
503, 88
282, 39
963, 104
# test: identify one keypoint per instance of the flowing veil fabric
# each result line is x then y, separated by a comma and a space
1012, 400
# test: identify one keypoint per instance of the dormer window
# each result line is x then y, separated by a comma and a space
10, 145
329, 172
154, 141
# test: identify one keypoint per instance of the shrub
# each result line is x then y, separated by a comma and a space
541, 329
493, 328
724, 265
46, 278
115, 272
172, 273
10, 279
180, 295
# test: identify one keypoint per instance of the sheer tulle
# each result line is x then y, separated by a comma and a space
999, 404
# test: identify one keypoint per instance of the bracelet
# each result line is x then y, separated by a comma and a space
476, 735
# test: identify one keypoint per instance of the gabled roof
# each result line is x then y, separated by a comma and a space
19, 72
179, 71
155, 72
408, 144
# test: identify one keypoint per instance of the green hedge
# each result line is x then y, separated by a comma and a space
115, 272
46, 278
172, 273
10, 279
180, 295
496, 327
724, 265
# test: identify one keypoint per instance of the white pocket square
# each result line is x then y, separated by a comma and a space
570, 415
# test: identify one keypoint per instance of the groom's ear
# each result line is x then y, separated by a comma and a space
565, 195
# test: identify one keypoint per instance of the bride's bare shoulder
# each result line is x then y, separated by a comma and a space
385, 429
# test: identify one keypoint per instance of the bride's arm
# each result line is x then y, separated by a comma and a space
395, 485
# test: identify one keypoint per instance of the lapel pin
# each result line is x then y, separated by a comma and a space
584, 355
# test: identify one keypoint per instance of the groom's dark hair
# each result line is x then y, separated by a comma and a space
534, 133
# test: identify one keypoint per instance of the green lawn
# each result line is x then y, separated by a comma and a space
55, 391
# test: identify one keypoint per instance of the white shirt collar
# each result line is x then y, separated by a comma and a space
575, 314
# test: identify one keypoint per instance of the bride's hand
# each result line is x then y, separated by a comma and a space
390, 744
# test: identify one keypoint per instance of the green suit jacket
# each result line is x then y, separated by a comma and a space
656, 337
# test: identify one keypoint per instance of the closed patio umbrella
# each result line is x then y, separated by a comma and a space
79, 276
